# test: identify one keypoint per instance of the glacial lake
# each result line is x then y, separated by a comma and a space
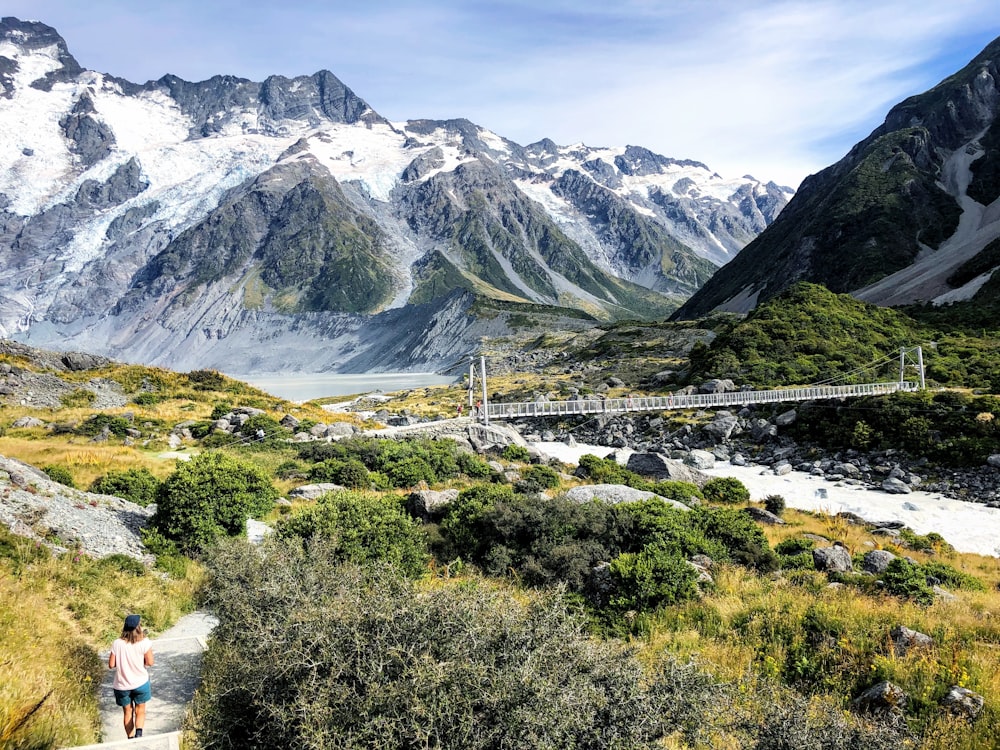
308, 386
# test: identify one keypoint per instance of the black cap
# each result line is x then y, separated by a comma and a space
132, 622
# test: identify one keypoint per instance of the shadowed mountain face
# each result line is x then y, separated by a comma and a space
909, 215
167, 221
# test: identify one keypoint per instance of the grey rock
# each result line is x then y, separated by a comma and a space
717, 385
314, 491
845, 469
994, 460
429, 504
782, 468
760, 515
339, 430
289, 422
877, 561
882, 698
964, 702
700, 459
658, 466
943, 595
895, 486
835, 559
722, 428
318, 430
616, 493
28, 422
904, 639
786, 418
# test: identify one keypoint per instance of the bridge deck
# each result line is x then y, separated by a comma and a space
693, 401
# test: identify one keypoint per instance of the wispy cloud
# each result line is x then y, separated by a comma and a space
777, 88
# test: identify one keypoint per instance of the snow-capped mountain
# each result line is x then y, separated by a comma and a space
185, 223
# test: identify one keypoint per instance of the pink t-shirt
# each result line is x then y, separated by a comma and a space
130, 667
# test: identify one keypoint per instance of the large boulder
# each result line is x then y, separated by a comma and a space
28, 422
723, 426
717, 386
877, 561
786, 418
835, 559
428, 504
895, 486
339, 430
617, 493
658, 466
700, 459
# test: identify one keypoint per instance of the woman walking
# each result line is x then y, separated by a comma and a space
130, 655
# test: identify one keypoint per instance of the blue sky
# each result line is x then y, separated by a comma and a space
777, 89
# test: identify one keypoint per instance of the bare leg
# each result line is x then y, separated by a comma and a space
140, 716
129, 721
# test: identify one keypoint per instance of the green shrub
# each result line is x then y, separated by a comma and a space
221, 409
544, 477
147, 399
60, 474
459, 525
649, 579
794, 545
291, 469
903, 578
950, 577
727, 490
210, 496
682, 492
410, 472
97, 424
774, 504
137, 485
382, 663
515, 453
169, 559
206, 380
743, 539
603, 470
361, 528
473, 466
654, 521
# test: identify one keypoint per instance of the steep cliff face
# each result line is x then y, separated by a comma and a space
896, 219
135, 219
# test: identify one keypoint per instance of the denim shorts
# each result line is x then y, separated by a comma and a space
140, 694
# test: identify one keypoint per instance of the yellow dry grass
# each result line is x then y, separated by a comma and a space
56, 614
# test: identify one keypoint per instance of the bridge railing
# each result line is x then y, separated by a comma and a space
582, 406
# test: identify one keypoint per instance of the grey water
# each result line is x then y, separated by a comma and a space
308, 386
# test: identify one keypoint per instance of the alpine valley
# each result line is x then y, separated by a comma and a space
286, 225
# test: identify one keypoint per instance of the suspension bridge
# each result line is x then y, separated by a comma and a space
485, 410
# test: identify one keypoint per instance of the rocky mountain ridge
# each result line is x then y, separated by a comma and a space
910, 215
175, 222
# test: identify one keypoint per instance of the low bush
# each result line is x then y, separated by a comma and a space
728, 490
541, 477
646, 580
361, 527
515, 453
137, 485
383, 663
774, 504
61, 474
99, 423
208, 497
903, 578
